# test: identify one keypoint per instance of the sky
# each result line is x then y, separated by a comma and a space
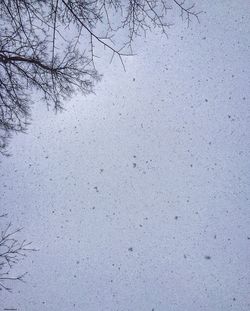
137, 196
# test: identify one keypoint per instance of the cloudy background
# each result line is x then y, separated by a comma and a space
138, 196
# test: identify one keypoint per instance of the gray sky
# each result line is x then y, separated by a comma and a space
128, 191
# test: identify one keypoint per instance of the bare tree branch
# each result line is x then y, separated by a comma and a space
49, 46
12, 251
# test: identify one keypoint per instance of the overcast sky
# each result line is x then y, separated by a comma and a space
138, 196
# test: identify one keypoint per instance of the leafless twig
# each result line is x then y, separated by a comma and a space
12, 250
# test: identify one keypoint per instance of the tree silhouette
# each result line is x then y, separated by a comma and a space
49, 46
12, 250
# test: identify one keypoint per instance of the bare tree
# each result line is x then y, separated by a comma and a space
12, 250
49, 46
